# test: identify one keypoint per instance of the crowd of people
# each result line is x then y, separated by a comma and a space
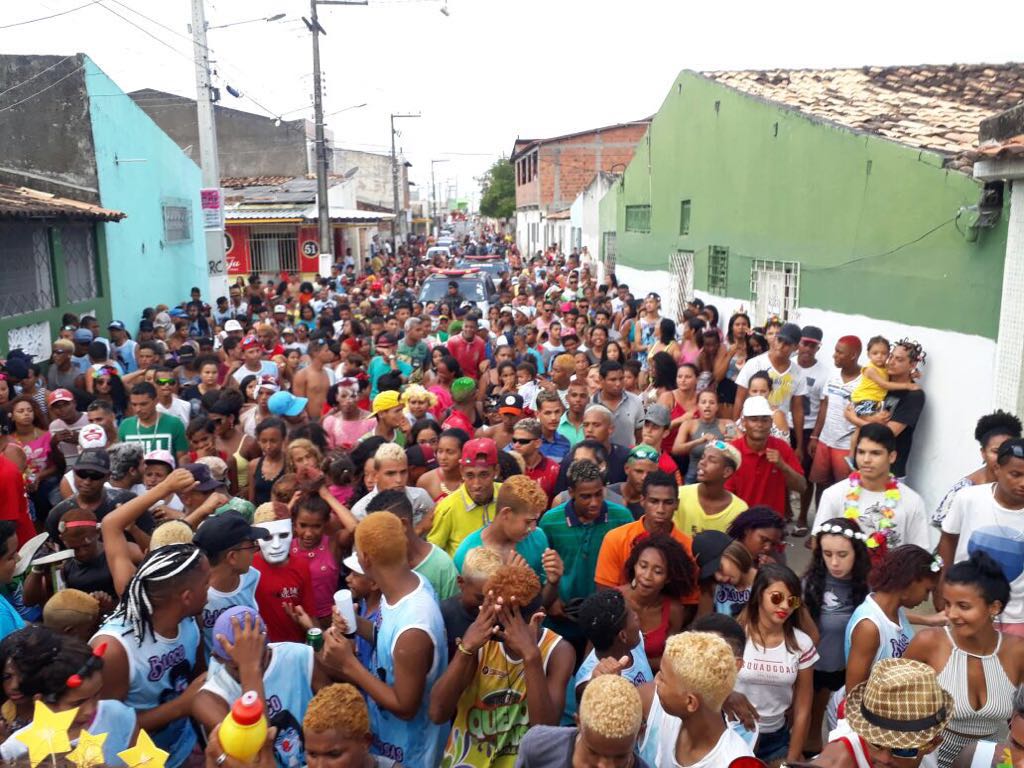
561, 521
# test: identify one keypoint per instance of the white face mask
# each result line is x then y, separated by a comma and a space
276, 548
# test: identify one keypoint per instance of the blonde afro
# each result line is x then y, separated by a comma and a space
522, 494
338, 707
704, 664
480, 563
611, 707
517, 581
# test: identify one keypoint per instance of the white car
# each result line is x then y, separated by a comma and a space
438, 250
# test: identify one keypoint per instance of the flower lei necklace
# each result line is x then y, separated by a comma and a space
890, 500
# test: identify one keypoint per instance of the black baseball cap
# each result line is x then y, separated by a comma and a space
93, 460
708, 547
201, 474
226, 531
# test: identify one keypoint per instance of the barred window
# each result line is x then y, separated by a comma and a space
774, 289
177, 221
26, 264
274, 250
684, 217
718, 270
78, 246
638, 218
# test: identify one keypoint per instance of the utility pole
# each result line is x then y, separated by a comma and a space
208, 159
322, 161
433, 196
394, 177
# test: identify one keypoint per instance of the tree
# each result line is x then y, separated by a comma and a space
498, 191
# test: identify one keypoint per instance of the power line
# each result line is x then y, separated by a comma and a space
43, 90
145, 31
51, 16
37, 74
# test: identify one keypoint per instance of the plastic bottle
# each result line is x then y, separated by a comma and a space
244, 731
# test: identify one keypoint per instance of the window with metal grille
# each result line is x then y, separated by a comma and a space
682, 280
274, 250
27, 268
774, 289
638, 218
718, 270
79, 248
177, 221
684, 217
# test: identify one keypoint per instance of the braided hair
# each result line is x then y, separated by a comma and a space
158, 567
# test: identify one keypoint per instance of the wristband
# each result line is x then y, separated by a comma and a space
463, 649
813, 437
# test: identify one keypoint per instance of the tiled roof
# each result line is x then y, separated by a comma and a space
24, 203
930, 107
241, 182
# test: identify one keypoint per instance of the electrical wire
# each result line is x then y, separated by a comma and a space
44, 90
37, 74
889, 252
145, 31
51, 16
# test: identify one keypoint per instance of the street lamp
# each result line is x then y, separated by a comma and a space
394, 175
275, 17
433, 194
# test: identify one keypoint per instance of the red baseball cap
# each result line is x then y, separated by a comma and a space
250, 342
481, 452
60, 395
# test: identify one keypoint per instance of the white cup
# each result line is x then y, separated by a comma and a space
343, 602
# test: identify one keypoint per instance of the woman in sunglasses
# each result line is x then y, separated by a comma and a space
778, 664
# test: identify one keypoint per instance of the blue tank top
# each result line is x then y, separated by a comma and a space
113, 718
159, 670
638, 673
893, 639
730, 600
217, 602
415, 743
288, 683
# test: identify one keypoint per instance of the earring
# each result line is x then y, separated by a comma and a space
632, 584
992, 618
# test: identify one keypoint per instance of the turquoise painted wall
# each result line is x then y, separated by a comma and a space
143, 270
770, 183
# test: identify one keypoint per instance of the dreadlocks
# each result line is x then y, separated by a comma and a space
159, 566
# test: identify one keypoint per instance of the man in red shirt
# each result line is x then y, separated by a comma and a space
468, 348
770, 469
284, 594
526, 437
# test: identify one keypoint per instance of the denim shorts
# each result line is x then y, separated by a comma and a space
772, 746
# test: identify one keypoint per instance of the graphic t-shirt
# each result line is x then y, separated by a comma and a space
492, 716
768, 676
167, 434
837, 431
909, 516
288, 582
984, 524
836, 609
785, 385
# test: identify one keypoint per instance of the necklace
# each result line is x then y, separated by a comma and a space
886, 524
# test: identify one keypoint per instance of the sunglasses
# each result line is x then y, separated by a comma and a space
778, 598
523, 440
905, 752
165, 382
87, 475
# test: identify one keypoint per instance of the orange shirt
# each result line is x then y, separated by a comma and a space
615, 551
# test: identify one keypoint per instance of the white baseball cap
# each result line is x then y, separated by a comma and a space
92, 436
280, 308
756, 406
352, 563
232, 325
162, 457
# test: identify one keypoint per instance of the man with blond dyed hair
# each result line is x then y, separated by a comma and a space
460, 611
337, 723
392, 473
515, 536
409, 653
609, 721
685, 726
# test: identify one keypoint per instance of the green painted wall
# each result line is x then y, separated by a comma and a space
770, 183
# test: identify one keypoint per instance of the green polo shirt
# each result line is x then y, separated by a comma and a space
572, 434
578, 544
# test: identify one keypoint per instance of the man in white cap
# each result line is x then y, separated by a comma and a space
769, 469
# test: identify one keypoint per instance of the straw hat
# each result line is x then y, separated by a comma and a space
900, 706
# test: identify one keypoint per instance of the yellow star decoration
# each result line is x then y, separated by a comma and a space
145, 754
89, 751
48, 734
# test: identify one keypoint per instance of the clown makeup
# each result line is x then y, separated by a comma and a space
275, 549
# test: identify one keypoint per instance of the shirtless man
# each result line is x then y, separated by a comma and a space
314, 380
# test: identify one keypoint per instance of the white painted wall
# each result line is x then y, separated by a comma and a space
956, 378
528, 244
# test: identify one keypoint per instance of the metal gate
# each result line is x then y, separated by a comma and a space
774, 289
682, 283
274, 251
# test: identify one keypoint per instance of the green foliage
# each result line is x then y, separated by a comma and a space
498, 188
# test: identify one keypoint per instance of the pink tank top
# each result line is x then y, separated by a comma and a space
324, 571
